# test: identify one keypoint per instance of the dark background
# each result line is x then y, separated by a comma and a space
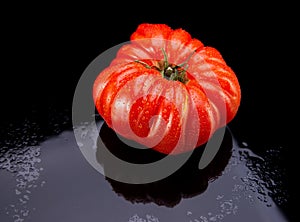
46, 49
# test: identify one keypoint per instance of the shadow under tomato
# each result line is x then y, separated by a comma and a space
188, 181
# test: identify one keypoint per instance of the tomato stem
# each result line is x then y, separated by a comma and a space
143, 63
174, 72
185, 64
170, 71
166, 63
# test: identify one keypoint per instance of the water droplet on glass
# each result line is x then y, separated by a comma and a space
219, 197
22, 163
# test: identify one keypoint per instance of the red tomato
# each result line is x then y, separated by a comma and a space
166, 90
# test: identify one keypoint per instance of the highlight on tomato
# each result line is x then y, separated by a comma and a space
166, 90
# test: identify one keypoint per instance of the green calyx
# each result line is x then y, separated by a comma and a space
169, 71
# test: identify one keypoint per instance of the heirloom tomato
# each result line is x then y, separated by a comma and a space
166, 90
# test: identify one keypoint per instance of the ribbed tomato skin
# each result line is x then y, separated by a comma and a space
135, 99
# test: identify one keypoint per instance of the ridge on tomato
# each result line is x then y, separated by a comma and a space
166, 90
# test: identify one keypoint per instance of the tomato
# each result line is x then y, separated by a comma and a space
166, 90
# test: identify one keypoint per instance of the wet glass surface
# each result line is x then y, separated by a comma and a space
46, 178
